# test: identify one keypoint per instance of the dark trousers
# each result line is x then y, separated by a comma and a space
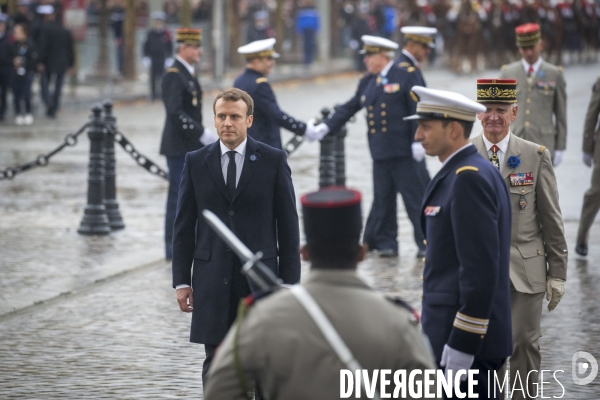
21, 87
155, 83
175, 165
4, 81
390, 177
482, 388
52, 97
310, 45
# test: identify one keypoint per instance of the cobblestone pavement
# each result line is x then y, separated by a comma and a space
124, 337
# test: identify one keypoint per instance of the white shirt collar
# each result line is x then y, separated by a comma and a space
186, 65
456, 152
535, 65
386, 69
241, 149
502, 145
412, 58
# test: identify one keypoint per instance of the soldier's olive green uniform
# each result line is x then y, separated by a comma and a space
542, 101
282, 349
591, 136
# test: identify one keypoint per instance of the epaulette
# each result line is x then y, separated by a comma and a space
542, 149
414, 96
172, 70
410, 69
560, 68
404, 64
416, 318
503, 67
261, 80
467, 168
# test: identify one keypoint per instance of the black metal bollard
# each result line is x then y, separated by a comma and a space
110, 190
95, 220
327, 159
339, 153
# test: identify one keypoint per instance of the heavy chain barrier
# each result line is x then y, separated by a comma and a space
43, 159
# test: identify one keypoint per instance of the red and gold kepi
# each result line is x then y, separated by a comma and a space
192, 36
496, 90
528, 35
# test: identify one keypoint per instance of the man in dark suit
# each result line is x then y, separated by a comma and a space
466, 217
418, 45
158, 52
268, 117
398, 161
183, 130
56, 58
6, 63
248, 185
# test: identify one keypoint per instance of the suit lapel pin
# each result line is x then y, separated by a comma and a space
253, 157
513, 162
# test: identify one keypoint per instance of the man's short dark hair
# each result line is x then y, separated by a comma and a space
234, 95
467, 126
333, 254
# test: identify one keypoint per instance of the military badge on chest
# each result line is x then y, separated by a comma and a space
391, 88
432, 211
522, 179
195, 99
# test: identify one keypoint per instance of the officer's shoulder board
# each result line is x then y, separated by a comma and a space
404, 64
542, 149
415, 317
172, 70
261, 80
467, 168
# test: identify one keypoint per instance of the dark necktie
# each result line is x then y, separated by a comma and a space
231, 173
494, 158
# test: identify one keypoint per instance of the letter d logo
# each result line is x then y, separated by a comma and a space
581, 367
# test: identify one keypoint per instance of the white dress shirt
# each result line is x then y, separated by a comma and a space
386, 69
535, 65
187, 66
455, 153
240, 153
502, 145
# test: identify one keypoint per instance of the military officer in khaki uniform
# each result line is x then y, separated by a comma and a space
538, 257
541, 93
591, 154
278, 345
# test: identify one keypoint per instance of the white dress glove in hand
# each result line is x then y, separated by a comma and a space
208, 137
168, 62
558, 158
587, 159
313, 132
418, 152
455, 360
147, 62
555, 290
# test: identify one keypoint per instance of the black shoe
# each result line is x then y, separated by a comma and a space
388, 253
581, 249
421, 253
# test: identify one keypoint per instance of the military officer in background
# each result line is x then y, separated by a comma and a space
541, 92
418, 45
538, 257
466, 219
381, 333
591, 155
183, 131
268, 117
398, 161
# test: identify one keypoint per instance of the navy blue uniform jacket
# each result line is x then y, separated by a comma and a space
387, 104
466, 285
262, 214
182, 96
268, 117
403, 61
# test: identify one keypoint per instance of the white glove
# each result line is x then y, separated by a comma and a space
555, 290
558, 158
147, 62
168, 62
418, 152
313, 132
455, 360
587, 159
208, 137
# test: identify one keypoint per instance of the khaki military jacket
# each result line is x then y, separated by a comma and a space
591, 134
538, 244
542, 101
281, 347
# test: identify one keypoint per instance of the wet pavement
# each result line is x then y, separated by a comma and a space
96, 317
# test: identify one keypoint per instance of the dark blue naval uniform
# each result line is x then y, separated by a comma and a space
268, 117
404, 61
466, 217
387, 101
182, 96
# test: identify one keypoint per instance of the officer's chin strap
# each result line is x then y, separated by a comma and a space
327, 329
